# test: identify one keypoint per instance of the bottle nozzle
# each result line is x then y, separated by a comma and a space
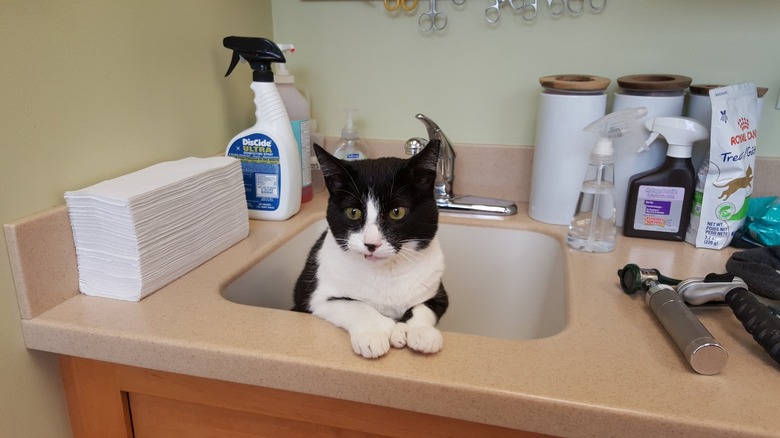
258, 52
679, 132
282, 74
349, 132
619, 124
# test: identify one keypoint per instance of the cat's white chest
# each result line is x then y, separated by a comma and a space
391, 286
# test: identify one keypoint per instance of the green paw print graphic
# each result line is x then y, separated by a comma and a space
725, 211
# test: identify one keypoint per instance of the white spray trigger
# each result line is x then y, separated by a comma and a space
646, 146
619, 124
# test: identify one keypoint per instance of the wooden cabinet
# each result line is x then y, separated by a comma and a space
111, 400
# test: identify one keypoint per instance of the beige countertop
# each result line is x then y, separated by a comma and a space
612, 371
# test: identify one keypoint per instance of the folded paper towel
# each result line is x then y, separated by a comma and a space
138, 232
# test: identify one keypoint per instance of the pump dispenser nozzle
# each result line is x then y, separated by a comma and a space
258, 52
283, 75
349, 131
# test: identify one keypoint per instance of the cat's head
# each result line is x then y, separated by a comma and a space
382, 208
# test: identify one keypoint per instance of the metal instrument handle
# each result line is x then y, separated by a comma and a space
702, 352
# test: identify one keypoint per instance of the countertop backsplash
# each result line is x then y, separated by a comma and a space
504, 172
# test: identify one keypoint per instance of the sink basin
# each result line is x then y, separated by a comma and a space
502, 283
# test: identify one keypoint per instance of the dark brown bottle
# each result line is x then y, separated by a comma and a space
659, 201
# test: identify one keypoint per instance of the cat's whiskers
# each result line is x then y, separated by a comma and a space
409, 254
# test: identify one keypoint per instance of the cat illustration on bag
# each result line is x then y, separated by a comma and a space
376, 271
735, 184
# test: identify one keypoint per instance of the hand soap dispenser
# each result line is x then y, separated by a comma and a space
659, 201
350, 146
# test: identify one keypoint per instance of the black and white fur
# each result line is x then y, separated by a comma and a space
376, 271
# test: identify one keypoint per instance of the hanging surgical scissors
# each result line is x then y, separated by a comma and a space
575, 7
527, 9
393, 5
427, 21
557, 7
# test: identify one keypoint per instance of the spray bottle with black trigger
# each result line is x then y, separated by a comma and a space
268, 151
593, 227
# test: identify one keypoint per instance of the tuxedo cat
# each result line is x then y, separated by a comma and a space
376, 271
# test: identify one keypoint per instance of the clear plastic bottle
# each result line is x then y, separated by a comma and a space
593, 227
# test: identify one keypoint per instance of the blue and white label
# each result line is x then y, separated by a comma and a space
260, 164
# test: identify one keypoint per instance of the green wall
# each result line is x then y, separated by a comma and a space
480, 82
93, 89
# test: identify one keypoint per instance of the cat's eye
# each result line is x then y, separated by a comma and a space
398, 213
353, 213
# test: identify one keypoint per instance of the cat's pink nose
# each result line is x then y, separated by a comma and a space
372, 247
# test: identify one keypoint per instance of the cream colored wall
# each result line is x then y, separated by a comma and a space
93, 89
480, 82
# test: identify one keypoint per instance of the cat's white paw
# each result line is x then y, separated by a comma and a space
370, 344
399, 334
424, 339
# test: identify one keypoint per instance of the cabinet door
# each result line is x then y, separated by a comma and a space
160, 417
112, 400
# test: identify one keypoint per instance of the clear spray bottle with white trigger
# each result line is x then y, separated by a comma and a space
593, 227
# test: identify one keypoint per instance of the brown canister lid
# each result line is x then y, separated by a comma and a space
704, 89
575, 82
654, 82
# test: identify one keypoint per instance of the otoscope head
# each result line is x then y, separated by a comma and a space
633, 278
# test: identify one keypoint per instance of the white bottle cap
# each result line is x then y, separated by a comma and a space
603, 148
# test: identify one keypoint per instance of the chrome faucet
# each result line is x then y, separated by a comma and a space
445, 174
442, 188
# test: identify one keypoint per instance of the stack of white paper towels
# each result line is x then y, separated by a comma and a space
136, 233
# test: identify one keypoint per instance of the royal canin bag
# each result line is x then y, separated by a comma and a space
725, 181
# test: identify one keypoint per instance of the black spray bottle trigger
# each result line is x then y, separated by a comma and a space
258, 52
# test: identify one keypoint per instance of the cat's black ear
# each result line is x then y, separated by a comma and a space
423, 165
336, 176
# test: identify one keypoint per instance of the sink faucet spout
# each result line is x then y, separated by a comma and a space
445, 169
445, 175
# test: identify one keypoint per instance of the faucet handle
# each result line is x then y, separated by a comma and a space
414, 145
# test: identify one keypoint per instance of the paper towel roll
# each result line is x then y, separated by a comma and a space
663, 96
562, 150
